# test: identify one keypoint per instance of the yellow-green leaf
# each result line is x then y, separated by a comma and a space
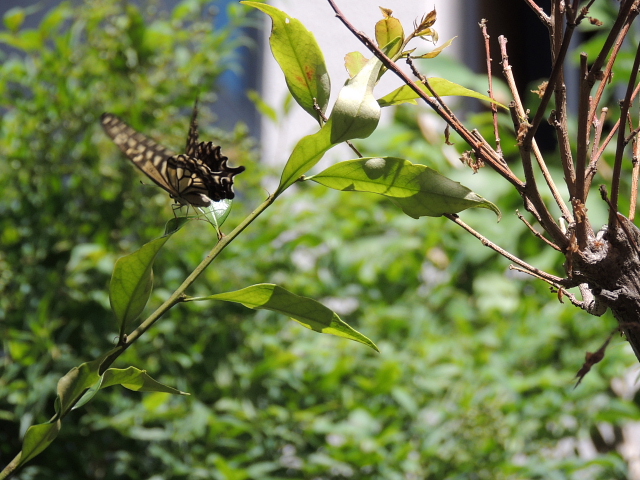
297, 52
388, 29
442, 87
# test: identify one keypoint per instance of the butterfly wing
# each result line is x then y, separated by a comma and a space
147, 155
192, 138
198, 177
220, 178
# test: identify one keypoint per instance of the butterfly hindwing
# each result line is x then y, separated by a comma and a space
192, 138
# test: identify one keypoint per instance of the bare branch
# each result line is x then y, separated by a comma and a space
494, 107
617, 167
544, 18
549, 226
488, 243
634, 179
537, 233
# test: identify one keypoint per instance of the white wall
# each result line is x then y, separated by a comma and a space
336, 41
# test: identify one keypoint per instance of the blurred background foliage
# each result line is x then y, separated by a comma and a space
476, 371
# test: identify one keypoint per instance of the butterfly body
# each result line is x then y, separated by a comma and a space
198, 177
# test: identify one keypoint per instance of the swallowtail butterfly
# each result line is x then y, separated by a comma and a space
198, 177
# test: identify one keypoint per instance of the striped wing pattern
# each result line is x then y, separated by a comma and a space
197, 178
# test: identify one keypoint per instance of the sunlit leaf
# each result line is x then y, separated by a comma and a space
300, 58
263, 107
354, 62
356, 112
437, 51
306, 311
387, 30
14, 18
417, 189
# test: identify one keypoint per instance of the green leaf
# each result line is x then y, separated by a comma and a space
442, 87
387, 30
300, 58
437, 51
54, 19
132, 278
37, 438
306, 311
14, 18
356, 112
417, 189
263, 107
135, 379
73, 385
217, 212
354, 62
27, 40
307, 152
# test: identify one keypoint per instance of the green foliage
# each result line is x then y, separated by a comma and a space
475, 372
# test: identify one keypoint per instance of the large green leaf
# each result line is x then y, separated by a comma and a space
356, 112
297, 52
132, 277
441, 86
306, 311
417, 189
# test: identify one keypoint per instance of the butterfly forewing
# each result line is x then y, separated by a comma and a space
147, 155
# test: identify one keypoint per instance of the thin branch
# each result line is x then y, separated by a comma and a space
580, 195
432, 92
488, 243
537, 233
634, 179
599, 124
562, 292
549, 225
605, 77
494, 107
546, 97
591, 171
617, 166
481, 149
560, 118
544, 18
